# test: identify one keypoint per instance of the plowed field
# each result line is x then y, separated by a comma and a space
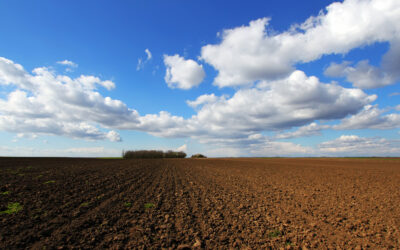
199, 203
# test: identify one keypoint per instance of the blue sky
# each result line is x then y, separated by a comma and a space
254, 78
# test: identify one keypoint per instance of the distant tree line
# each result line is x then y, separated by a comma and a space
152, 154
198, 156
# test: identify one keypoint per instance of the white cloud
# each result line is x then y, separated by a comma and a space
307, 130
46, 103
353, 145
337, 69
89, 82
24, 136
113, 136
148, 53
142, 62
29, 136
203, 99
46, 126
274, 148
224, 152
264, 148
51, 104
13, 73
72, 152
163, 124
362, 75
279, 105
370, 118
181, 73
93, 151
250, 53
182, 148
277, 98
68, 63
274, 106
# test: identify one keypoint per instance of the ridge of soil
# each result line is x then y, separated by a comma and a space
254, 203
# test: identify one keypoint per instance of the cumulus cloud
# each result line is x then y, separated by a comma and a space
274, 148
362, 75
47, 103
280, 105
250, 53
337, 69
163, 124
263, 148
203, 99
353, 145
13, 74
370, 117
304, 131
113, 136
181, 73
275, 106
366, 76
73, 152
224, 152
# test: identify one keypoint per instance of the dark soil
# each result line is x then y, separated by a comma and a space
200, 203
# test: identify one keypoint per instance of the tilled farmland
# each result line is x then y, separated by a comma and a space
62, 203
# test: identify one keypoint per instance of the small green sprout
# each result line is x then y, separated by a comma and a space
12, 208
128, 204
49, 182
5, 192
274, 234
85, 204
149, 205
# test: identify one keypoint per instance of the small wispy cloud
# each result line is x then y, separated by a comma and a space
182, 148
68, 63
142, 62
149, 56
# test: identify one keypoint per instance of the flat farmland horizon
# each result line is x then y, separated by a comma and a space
209, 203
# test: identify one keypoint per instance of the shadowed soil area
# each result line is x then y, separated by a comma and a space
292, 203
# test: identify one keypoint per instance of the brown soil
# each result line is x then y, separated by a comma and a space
200, 203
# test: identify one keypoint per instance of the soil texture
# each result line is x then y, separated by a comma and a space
297, 203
